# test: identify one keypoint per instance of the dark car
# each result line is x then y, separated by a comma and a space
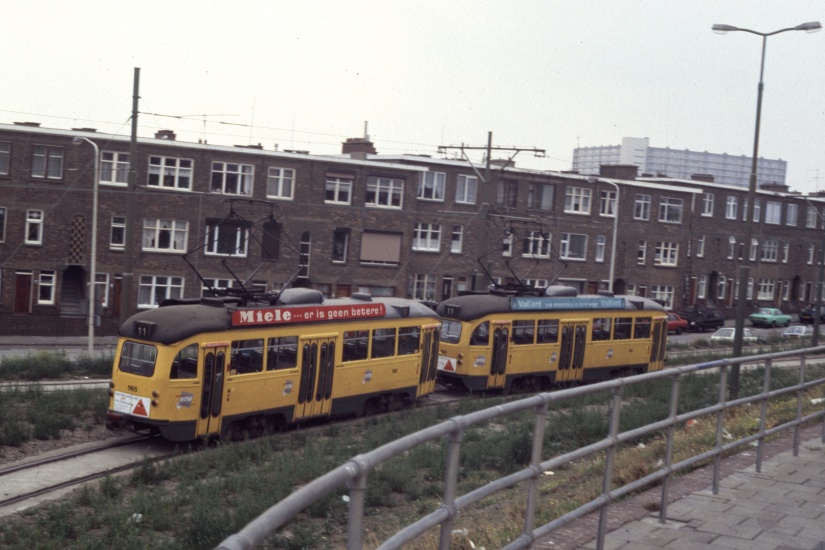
700, 320
806, 315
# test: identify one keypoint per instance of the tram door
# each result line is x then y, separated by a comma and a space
429, 360
499, 354
571, 353
657, 349
317, 367
214, 373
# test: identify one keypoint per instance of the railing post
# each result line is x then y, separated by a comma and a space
720, 425
609, 459
535, 463
450, 485
763, 414
674, 410
357, 492
800, 395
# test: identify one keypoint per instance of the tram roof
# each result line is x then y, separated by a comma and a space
474, 306
180, 320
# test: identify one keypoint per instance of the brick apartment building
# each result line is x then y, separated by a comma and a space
207, 216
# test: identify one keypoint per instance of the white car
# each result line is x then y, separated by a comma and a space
725, 334
799, 331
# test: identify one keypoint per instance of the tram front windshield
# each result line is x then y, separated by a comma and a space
138, 358
450, 331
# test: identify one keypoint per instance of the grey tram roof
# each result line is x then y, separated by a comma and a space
475, 306
180, 320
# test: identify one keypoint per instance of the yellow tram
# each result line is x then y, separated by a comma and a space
531, 342
215, 367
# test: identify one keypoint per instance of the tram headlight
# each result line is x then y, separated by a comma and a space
155, 394
154, 403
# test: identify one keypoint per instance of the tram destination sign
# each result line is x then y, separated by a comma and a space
305, 314
538, 303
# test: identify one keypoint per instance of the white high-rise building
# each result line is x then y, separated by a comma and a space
678, 163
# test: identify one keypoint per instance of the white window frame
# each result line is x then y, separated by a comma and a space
47, 162
427, 237
422, 286
792, 215
431, 186
171, 173
573, 246
773, 213
114, 168
577, 200
731, 207
5, 157
537, 244
231, 178
811, 251
384, 192
666, 254
811, 217
607, 203
754, 250
507, 246
466, 189
707, 205
541, 196
641, 253
34, 227
601, 243
766, 289
457, 239
770, 250
731, 248
641, 207
153, 289
155, 230
700, 247
340, 188
3, 216
663, 293
670, 210
212, 239
345, 251
701, 287
46, 283
117, 236
280, 183
102, 283
786, 248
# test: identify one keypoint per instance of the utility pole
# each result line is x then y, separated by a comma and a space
485, 189
127, 281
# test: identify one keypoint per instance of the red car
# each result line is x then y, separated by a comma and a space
676, 324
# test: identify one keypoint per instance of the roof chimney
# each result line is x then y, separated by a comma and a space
165, 134
358, 148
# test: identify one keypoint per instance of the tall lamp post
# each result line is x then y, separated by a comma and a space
77, 140
744, 268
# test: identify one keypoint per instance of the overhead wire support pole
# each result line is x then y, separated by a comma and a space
487, 178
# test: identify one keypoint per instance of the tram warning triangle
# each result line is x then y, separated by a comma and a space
448, 366
139, 409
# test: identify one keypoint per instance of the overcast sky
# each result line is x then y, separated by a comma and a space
306, 74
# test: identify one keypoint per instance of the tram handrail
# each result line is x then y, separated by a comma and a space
354, 472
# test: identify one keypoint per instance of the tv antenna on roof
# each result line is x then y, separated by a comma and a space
201, 116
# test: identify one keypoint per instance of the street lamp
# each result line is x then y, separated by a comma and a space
744, 268
77, 140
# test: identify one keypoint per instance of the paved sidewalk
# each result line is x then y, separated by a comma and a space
780, 508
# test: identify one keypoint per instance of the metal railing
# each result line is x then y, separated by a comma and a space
354, 472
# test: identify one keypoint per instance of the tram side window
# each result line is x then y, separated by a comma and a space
548, 331
138, 358
383, 342
356, 343
601, 328
282, 353
642, 329
185, 363
523, 332
622, 328
481, 335
409, 339
247, 356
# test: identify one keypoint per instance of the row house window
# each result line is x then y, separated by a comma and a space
670, 210
153, 289
114, 168
792, 217
600, 248
641, 253
573, 246
507, 193
457, 239
757, 210
641, 207
47, 162
773, 213
770, 250
338, 189
431, 186
540, 196
226, 239
422, 286
46, 286
384, 192
700, 247
2, 224
663, 293
607, 203
707, 204
231, 178
34, 227
170, 173
731, 207
766, 289
165, 235
5, 158
811, 217
280, 183
427, 237
577, 200
666, 254
340, 245
117, 237
466, 189
536, 245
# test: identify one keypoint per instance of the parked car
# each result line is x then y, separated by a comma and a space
770, 317
675, 323
798, 331
700, 320
727, 334
806, 315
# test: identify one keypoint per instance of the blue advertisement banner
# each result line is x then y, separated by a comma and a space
546, 303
